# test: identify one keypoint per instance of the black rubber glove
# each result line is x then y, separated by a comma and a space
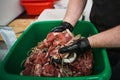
62, 27
79, 46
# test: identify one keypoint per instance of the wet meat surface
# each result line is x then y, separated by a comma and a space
39, 62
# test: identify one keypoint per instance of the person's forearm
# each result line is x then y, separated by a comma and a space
107, 39
74, 11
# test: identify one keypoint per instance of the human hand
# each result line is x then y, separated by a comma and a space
79, 46
62, 27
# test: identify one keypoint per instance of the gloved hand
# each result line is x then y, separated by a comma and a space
62, 27
79, 46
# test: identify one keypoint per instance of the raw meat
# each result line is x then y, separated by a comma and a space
40, 62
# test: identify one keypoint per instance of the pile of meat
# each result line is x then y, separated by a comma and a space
41, 61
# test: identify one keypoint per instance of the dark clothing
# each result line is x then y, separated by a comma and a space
114, 58
105, 14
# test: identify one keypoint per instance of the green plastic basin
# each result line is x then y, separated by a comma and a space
11, 67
